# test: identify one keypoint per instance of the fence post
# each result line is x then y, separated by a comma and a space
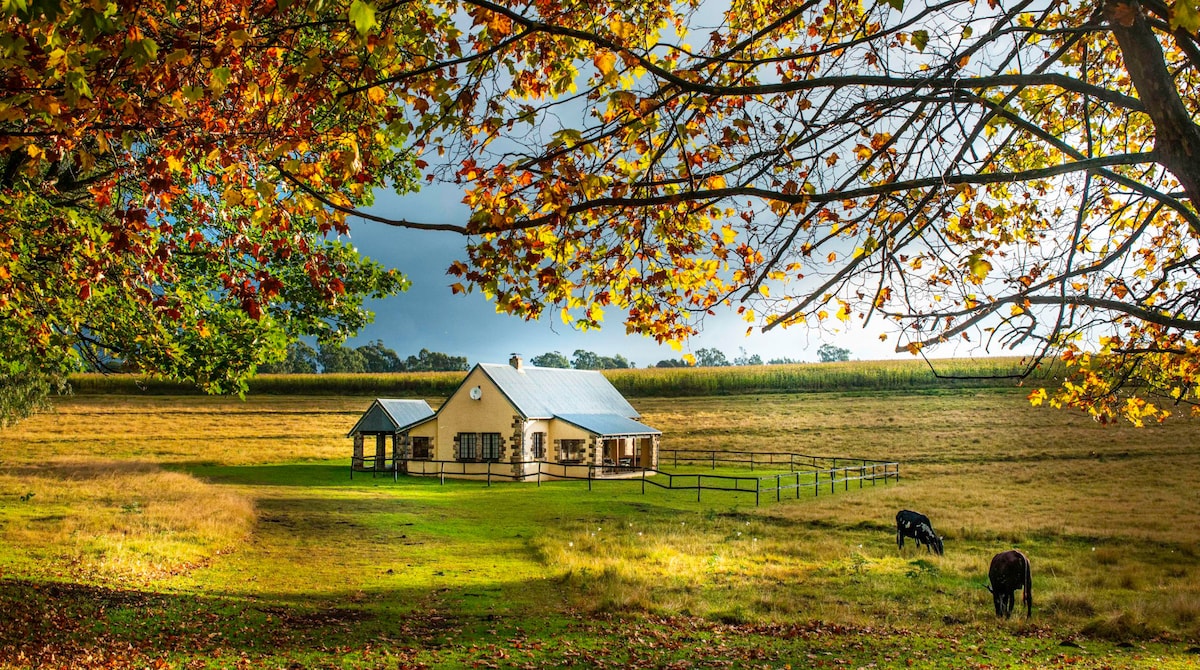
489, 474
698, 488
846, 477
832, 480
797, 486
778, 489
862, 473
757, 488
714, 465
816, 483
539, 474
442, 472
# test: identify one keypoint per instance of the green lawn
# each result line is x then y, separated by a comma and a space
200, 532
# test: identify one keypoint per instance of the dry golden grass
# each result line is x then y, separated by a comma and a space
117, 520
187, 429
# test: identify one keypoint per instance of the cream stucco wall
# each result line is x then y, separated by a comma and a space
492, 413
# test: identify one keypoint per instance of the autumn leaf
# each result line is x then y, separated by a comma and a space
920, 39
362, 15
979, 267
1185, 14
605, 62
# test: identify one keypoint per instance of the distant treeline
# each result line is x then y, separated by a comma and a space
370, 357
898, 375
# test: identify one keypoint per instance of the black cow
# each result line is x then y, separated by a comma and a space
1010, 571
917, 526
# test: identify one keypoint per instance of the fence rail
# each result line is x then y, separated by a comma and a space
803, 477
753, 459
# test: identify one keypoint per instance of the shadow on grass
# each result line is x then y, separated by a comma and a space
323, 473
78, 625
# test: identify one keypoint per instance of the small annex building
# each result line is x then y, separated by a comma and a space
532, 421
385, 423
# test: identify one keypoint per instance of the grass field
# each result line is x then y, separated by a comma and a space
162, 531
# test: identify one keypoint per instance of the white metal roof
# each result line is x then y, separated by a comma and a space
387, 415
542, 393
608, 424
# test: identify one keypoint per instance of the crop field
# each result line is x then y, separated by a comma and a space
191, 532
894, 375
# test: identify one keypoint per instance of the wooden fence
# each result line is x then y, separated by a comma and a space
805, 475
759, 459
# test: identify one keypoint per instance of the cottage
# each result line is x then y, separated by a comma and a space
520, 421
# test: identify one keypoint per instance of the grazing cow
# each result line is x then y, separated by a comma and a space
1010, 571
917, 526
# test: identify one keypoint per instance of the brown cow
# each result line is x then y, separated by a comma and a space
1010, 571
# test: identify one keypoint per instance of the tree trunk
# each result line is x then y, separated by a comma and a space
1177, 137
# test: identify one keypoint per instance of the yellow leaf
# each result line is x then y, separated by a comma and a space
605, 62
1037, 397
979, 266
844, 311
622, 29
690, 359
376, 95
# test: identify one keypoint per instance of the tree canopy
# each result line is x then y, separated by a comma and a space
156, 167
1020, 174
831, 353
551, 359
174, 175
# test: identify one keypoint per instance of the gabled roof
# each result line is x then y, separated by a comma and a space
608, 425
392, 416
542, 393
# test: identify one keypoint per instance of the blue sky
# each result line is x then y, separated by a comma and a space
429, 316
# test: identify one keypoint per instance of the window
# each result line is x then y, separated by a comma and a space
467, 443
491, 446
422, 448
571, 451
538, 445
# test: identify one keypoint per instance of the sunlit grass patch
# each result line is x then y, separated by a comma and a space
115, 520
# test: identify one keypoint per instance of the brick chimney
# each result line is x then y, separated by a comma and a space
515, 361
